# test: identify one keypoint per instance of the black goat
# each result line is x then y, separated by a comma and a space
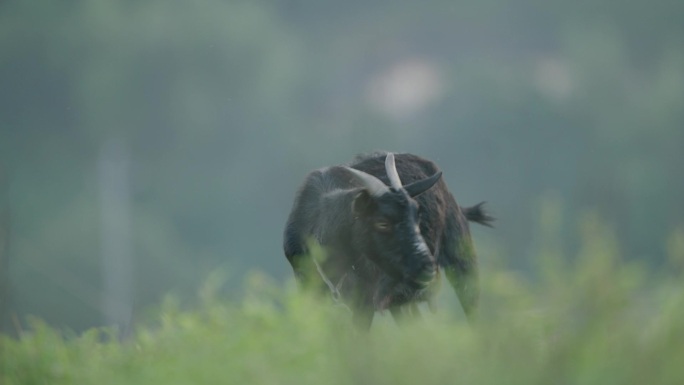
384, 241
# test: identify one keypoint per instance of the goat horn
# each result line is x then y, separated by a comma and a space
373, 184
418, 187
391, 169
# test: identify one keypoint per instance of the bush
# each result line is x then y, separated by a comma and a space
592, 320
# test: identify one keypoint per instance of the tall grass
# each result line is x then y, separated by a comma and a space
590, 319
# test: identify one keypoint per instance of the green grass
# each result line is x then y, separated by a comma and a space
592, 320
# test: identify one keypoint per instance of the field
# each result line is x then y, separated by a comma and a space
590, 319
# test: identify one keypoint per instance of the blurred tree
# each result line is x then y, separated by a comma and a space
193, 89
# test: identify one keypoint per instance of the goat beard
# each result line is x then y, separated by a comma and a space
392, 293
388, 291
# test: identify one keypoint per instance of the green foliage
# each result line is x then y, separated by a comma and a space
595, 320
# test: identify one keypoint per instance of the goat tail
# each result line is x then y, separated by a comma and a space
478, 214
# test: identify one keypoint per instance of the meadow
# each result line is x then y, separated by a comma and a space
590, 318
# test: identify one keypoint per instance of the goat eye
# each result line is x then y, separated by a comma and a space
382, 226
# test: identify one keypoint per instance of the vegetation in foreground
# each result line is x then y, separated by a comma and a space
595, 320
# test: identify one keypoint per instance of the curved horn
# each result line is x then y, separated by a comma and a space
373, 184
391, 170
418, 187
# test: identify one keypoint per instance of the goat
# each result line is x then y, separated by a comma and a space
387, 225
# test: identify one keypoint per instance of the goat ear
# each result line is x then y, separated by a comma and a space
362, 204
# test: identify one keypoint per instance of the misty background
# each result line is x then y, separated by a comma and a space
146, 144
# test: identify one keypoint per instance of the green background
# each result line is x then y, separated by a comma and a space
218, 109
